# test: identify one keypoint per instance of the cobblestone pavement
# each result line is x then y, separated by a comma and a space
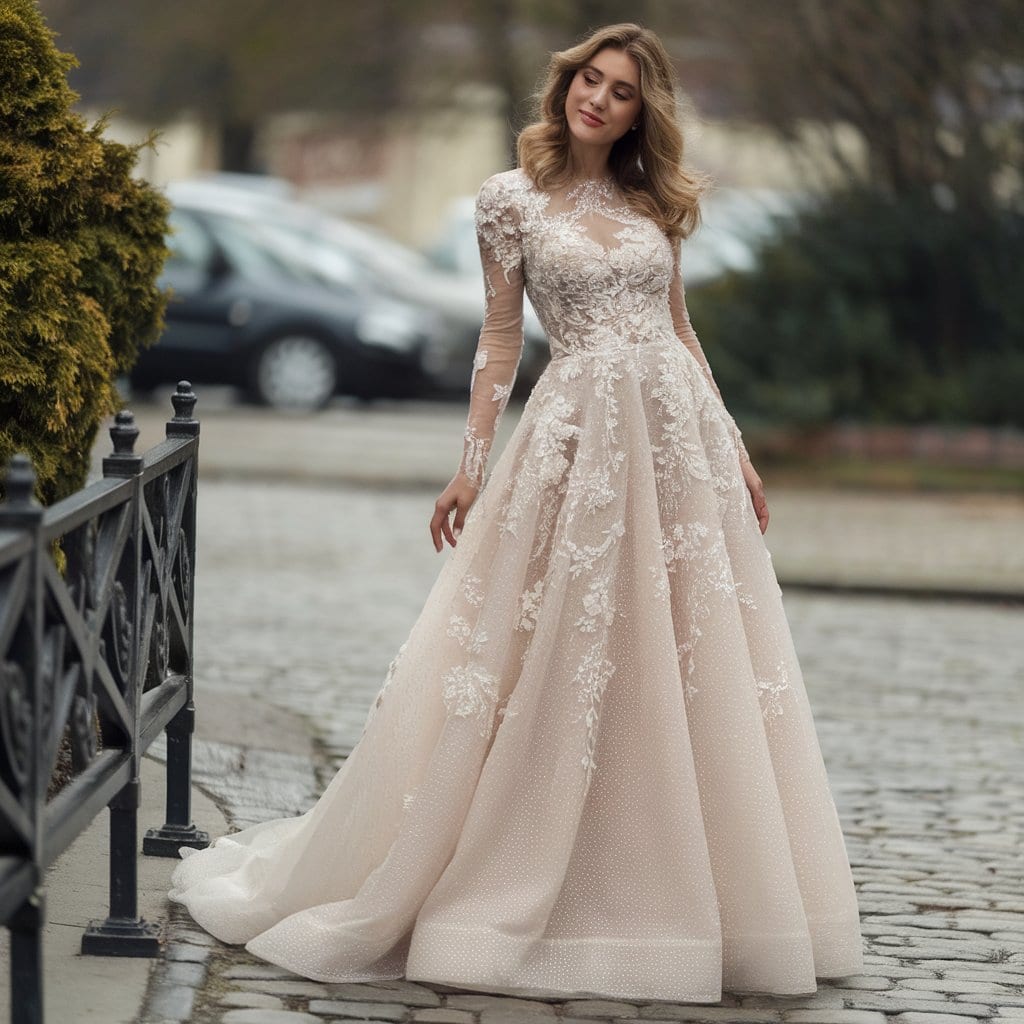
304, 596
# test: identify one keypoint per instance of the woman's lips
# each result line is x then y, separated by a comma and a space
591, 119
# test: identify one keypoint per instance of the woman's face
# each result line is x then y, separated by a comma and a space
604, 98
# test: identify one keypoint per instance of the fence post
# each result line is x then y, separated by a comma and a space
179, 830
124, 933
22, 512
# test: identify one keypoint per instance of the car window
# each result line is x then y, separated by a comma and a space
190, 245
369, 252
373, 249
250, 254
328, 263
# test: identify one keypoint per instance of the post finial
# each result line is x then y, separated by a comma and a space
184, 402
123, 461
20, 509
20, 481
124, 433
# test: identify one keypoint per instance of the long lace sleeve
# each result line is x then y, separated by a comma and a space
688, 336
500, 345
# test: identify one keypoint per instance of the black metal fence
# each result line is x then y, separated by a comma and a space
96, 616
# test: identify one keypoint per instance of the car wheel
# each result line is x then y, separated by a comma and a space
295, 372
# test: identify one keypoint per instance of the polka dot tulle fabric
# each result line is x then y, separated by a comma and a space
592, 768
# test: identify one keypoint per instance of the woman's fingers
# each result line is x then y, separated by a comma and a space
459, 496
439, 522
757, 497
460, 519
760, 507
762, 515
447, 529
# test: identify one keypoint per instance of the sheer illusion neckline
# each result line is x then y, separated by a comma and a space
600, 181
583, 192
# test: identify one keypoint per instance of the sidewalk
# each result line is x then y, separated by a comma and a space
258, 761
102, 990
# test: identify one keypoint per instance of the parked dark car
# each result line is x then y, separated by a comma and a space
241, 315
332, 246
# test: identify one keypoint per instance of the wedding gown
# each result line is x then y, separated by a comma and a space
592, 767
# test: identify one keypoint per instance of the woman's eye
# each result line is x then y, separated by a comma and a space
589, 81
619, 96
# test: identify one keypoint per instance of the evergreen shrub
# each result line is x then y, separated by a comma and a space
82, 243
877, 309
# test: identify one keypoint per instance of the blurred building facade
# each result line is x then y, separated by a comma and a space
402, 173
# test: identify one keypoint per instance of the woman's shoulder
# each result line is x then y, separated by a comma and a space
505, 188
499, 217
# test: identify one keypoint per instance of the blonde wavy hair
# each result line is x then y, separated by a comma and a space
647, 163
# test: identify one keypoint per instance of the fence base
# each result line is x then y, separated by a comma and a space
119, 937
27, 959
164, 841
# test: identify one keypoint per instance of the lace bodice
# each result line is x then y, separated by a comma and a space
599, 274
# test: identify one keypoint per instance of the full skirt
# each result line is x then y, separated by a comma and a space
592, 768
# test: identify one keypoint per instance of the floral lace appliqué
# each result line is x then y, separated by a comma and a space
591, 679
472, 589
529, 606
470, 690
601, 277
770, 692
472, 639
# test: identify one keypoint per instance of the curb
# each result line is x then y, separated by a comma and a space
908, 591
242, 750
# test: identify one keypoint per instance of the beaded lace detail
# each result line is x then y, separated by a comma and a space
606, 284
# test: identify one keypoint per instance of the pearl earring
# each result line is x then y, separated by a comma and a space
635, 126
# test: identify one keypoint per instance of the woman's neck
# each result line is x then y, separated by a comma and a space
588, 163
603, 175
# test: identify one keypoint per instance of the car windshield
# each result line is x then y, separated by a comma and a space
315, 255
250, 253
373, 248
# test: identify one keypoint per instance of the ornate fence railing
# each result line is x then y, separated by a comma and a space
96, 617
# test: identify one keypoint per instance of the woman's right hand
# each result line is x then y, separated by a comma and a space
757, 498
459, 495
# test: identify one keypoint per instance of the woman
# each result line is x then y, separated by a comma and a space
592, 767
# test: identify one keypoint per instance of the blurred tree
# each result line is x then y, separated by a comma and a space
235, 62
894, 298
933, 87
838, 319
81, 247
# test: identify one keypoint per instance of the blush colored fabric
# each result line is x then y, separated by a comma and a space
592, 768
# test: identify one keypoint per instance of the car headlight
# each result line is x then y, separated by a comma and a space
392, 327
